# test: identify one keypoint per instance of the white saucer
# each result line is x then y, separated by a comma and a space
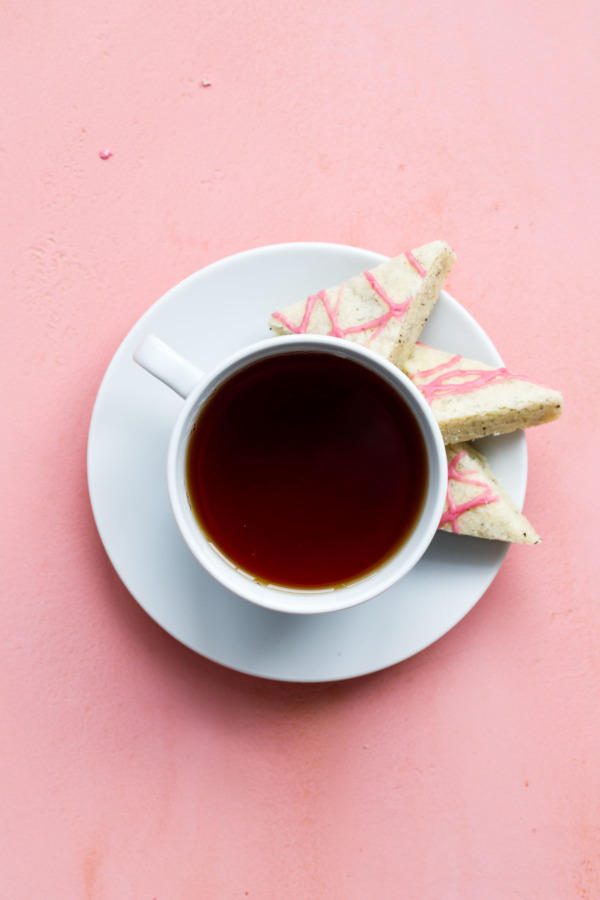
209, 315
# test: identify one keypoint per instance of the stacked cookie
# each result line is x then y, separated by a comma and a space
385, 308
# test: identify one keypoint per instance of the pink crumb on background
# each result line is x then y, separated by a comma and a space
130, 766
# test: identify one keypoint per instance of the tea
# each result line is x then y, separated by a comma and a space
306, 470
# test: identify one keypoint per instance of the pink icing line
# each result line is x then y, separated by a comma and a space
302, 327
455, 510
442, 385
394, 310
336, 331
415, 263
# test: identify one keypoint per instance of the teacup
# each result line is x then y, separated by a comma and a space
305, 473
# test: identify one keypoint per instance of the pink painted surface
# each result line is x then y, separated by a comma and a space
132, 768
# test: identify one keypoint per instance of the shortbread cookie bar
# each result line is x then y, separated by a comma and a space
472, 400
383, 308
476, 503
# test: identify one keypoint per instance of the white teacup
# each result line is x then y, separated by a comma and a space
197, 389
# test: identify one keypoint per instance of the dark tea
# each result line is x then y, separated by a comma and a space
306, 470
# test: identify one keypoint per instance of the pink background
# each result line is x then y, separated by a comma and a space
131, 767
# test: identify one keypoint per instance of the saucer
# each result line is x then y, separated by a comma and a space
211, 314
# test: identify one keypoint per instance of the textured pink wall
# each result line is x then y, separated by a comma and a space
132, 768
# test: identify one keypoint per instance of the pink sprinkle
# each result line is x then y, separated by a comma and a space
105, 154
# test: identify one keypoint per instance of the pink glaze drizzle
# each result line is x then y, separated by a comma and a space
443, 384
415, 263
394, 310
455, 510
310, 305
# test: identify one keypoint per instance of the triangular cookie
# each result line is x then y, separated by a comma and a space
472, 400
477, 504
383, 308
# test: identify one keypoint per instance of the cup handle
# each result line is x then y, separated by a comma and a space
167, 365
